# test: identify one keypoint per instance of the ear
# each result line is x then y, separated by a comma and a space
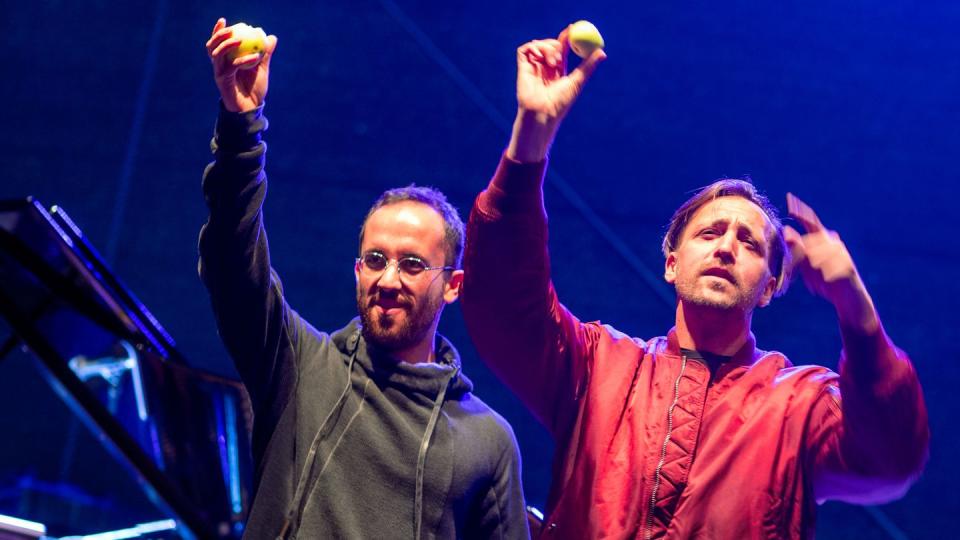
768, 290
670, 268
356, 271
451, 289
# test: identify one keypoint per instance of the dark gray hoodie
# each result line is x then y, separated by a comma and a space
348, 442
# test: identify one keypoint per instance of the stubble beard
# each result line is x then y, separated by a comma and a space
393, 333
691, 292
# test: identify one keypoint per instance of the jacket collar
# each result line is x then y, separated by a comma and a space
746, 356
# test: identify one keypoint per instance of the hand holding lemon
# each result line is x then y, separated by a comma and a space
240, 55
546, 90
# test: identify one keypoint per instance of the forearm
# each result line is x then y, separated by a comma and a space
869, 440
883, 403
532, 136
856, 313
233, 247
509, 303
885, 425
234, 253
230, 181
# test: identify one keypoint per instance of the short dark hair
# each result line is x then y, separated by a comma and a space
452, 224
733, 187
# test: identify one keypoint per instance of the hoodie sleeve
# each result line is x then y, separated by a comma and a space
870, 436
503, 512
246, 294
511, 309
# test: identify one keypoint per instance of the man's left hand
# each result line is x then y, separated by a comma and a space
827, 269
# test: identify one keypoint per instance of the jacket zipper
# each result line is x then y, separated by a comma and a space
648, 534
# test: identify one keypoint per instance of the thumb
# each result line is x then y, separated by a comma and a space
582, 73
585, 70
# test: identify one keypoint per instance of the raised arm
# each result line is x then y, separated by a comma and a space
234, 257
509, 304
870, 442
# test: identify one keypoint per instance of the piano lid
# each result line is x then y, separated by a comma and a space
183, 433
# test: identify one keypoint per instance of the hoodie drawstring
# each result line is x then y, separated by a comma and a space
295, 507
422, 456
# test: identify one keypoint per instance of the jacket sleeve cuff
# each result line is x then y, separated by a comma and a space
238, 132
515, 187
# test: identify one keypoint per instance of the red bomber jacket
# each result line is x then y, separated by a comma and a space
650, 444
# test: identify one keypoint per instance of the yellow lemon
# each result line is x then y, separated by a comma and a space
584, 38
252, 41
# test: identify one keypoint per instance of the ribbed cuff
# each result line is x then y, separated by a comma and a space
515, 186
238, 132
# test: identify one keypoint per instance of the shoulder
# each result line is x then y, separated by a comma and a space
776, 368
607, 336
804, 375
321, 355
809, 383
479, 423
307, 337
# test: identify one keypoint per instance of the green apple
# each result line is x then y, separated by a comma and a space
584, 38
253, 40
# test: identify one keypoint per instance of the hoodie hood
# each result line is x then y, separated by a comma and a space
428, 379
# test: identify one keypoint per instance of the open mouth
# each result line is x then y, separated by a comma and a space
720, 273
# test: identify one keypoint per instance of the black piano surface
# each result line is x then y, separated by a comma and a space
181, 434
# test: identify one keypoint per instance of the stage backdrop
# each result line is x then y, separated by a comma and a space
109, 108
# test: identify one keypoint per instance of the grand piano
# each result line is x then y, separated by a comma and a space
181, 434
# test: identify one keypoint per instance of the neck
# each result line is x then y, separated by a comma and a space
713, 330
421, 352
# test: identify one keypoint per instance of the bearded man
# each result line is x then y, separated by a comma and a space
371, 431
698, 433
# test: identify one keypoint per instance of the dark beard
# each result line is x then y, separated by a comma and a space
391, 335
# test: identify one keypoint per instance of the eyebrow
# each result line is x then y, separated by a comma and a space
761, 241
414, 255
715, 223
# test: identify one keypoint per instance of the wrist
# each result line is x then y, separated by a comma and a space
239, 131
238, 105
855, 309
532, 136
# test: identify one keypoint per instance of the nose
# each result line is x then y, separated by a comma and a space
726, 248
390, 278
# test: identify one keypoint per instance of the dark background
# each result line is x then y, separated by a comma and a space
108, 108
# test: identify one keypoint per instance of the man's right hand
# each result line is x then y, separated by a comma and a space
241, 89
545, 93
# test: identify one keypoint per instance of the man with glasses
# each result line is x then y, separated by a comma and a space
698, 434
372, 431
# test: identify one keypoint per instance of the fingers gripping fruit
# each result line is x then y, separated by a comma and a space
253, 40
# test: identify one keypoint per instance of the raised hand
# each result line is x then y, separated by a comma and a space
545, 93
827, 269
242, 87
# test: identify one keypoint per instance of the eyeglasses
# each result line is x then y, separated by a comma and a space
374, 262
